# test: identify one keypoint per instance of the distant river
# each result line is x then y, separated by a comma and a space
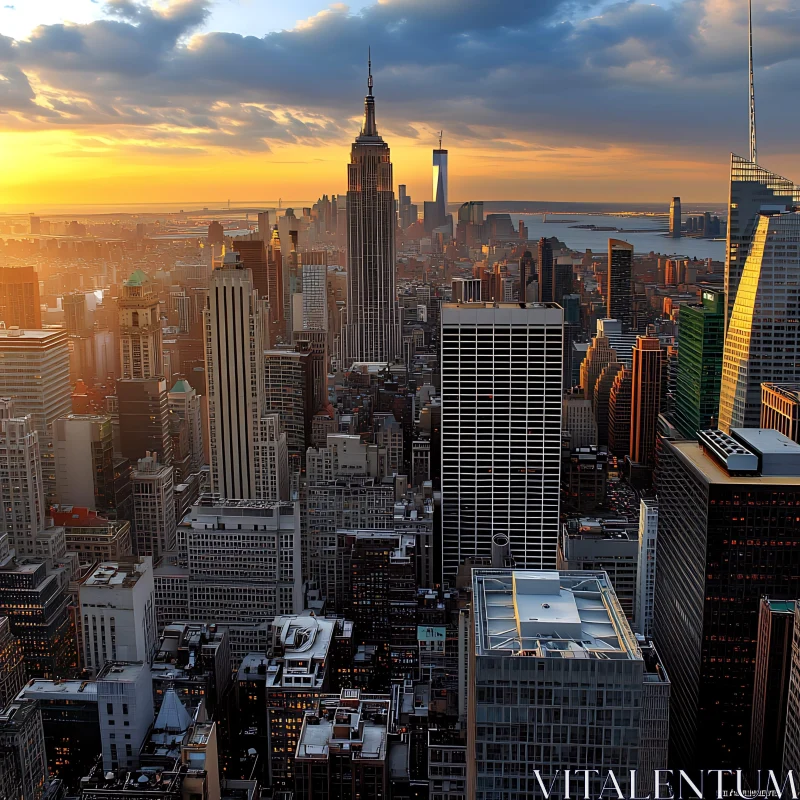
652, 239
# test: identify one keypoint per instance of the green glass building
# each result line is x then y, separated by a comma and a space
701, 337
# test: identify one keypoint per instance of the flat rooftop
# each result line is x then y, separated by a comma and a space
335, 727
31, 334
549, 614
122, 671
692, 454
39, 689
116, 575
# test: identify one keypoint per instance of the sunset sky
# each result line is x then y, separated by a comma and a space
194, 100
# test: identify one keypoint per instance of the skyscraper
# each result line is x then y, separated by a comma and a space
234, 322
440, 178
253, 254
21, 492
599, 355
645, 399
501, 431
762, 340
140, 339
373, 315
144, 419
700, 343
536, 629
773, 668
34, 370
84, 451
751, 188
675, 218
154, 520
184, 402
780, 408
646, 574
546, 273
619, 413
19, 297
726, 513
620, 282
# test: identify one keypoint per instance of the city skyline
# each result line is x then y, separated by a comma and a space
116, 124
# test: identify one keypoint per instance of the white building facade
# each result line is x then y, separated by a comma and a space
118, 614
501, 431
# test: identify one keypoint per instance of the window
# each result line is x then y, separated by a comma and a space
109, 708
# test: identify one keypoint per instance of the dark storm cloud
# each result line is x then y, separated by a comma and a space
550, 72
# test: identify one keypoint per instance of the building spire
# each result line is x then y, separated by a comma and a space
369, 67
752, 119
369, 128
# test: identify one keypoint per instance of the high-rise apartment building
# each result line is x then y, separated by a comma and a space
21, 490
235, 340
761, 341
373, 314
117, 612
140, 338
646, 573
19, 297
645, 399
154, 521
84, 461
501, 431
534, 632
726, 513
752, 188
675, 218
620, 282
144, 419
701, 337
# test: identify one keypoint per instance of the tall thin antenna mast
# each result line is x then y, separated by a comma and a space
441, 133
753, 149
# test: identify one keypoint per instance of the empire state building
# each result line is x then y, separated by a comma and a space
373, 315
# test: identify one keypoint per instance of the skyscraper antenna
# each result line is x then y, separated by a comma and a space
753, 149
441, 133
369, 70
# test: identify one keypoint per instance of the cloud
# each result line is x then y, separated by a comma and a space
505, 74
